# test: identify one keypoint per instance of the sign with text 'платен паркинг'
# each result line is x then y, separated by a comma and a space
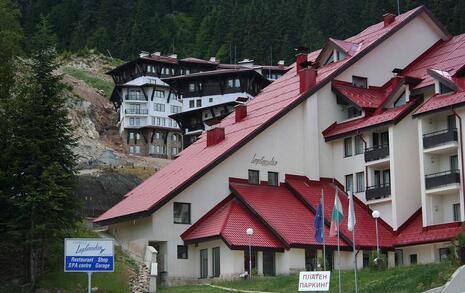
89, 255
314, 281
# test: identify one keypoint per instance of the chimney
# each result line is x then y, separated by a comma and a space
281, 63
299, 59
212, 59
174, 56
215, 136
157, 53
143, 54
246, 62
307, 78
388, 19
241, 112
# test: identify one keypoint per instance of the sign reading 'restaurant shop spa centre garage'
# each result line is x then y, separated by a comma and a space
89, 255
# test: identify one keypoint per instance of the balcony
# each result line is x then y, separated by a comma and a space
378, 191
440, 137
135, 97
136, 111
442, 179
159, 156
377, 152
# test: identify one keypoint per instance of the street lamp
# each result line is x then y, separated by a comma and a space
249, 232
376, 214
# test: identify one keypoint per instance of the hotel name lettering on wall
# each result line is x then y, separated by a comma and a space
262, 161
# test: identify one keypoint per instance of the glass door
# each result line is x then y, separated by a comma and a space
204, 263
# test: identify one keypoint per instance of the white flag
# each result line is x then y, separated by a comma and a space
351, 220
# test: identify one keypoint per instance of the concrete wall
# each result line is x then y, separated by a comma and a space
426, 253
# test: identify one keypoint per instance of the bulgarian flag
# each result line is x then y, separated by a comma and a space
336, 216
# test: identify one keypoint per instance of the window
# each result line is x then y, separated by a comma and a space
359, 145
137, 135
353, 112
233, 83
348, 147
273, 178
159, 94
182, 252
157, 135
340, 56
192, 87
174, 137
254, 177
454, 162
191, 104
135, 149
159, 107
174, 151
199, 103
134, 121
182, 213
443, 254
456, 212
451, 122
216, 261
360, 82
131, 135
210, 100
401, 100
413, 259
360, 178
444, 89
349, 182
175, 109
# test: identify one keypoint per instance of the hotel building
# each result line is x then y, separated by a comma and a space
379, 114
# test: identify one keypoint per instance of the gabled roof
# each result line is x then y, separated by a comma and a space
349, 48
214, 73
445, 56
285, 215
413, 232
384, 117
228, 221
271, 104
440, 102
310, 191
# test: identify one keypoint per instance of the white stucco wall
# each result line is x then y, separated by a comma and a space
426, 253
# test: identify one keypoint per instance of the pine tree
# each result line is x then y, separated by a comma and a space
37, 161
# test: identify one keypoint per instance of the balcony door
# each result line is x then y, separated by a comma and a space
380, 139
382, 177
451, 122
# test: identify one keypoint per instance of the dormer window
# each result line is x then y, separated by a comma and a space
353, 112
402, 100
360, 82
443, 89
336, 55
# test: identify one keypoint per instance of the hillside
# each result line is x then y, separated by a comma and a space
93, 116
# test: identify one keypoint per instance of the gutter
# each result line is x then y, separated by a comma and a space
461, 152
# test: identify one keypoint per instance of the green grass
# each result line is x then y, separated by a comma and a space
90, 79
406, 279
56, 278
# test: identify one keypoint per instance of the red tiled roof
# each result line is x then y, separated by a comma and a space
413, 232
283, 212
389, 115
438, 102
365, 230
447, 56
229, 221
371, 97
349, 48
272, 103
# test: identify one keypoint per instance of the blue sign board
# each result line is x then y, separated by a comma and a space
89, 255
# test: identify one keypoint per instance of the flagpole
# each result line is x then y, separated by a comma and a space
338, 250
353, 246
323, 228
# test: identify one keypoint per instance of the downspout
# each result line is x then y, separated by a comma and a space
461, 153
